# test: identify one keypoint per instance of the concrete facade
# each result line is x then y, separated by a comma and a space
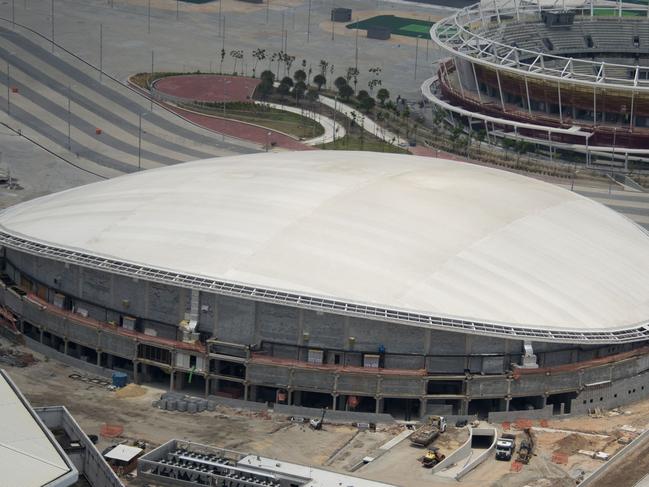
256, 351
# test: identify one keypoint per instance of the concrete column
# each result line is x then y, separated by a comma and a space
246, 392
207, 385
136, 377
40, 331
65, 346
98, 358
422, 407
334, 401
507, 400
464, 406
171, 380
379, 405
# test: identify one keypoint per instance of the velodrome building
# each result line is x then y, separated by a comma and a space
570, 77
355, 281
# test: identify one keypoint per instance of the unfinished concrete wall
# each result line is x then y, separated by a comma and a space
235, 320
325, 330
277, 323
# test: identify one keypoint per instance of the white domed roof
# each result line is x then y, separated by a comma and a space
433, 237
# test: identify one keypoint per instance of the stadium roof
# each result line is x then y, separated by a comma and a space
408, 239
29, 456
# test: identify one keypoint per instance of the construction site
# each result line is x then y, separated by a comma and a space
563, 452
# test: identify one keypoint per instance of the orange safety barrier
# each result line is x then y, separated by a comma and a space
522, 424
506, 425
111, 430
543, 423
516, 466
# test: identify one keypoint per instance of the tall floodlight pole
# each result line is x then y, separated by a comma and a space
152, 71
356, 54
13, 14
52, 22
69, 140
101, 51
267, 9
139, 142
308, 24
148, 17
416, 55
8, 90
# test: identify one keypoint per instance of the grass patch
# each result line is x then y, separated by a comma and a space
397, 25
271, 118
369, 143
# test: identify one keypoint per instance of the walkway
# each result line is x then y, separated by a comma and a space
242, 130
327, 123
368, 124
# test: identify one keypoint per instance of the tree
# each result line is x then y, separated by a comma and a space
323, 69
268, 75
299, 76
340, 82
259, 55
352, 74
283, 89
286, 80
362, 95
265, 88
345, 91
375, 81
383, 94
222, 59
288, 61
367, 103
299, 89
319, 80
237, 55
311, 95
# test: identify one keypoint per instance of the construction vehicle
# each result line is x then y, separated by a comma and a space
432, 458
427, 433
316, 424
505, 447
526, 448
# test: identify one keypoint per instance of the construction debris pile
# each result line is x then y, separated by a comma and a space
15, 358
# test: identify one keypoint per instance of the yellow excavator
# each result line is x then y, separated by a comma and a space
432, 458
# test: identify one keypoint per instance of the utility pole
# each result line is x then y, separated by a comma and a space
308, 24
101, 51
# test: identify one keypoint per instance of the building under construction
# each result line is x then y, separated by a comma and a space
347, 280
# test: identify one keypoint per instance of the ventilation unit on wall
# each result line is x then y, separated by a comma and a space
129, 322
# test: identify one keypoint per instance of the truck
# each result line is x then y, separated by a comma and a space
427, 433
505, 447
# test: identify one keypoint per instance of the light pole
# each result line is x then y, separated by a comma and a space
151, 80
416, 55
8, 90
308, 24
267, 9
139, 142
69, 140
101, 51
52, 22
148, 17
268, 141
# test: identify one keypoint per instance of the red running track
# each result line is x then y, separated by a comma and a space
242, 130
208, 87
